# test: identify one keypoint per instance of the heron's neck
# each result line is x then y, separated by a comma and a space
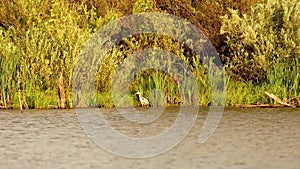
139, 96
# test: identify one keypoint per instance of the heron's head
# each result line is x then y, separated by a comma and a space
138, 93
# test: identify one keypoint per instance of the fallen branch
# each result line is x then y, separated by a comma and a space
271, 95
260, 105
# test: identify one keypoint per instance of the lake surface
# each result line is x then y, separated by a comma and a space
244, 139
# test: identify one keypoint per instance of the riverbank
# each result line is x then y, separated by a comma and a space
40, 43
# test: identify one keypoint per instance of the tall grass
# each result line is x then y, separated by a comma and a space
284, 79
9, 70
32, 58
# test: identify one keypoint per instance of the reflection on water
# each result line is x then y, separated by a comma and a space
245, 138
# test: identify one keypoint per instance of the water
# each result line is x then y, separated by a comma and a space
245, 138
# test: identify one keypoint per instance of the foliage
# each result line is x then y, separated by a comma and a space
40, 39
143, 6
206, 14
269, 33
102, 7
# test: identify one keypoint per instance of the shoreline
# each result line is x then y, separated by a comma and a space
238, 106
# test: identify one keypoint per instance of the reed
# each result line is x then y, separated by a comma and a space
283, 79
32, 58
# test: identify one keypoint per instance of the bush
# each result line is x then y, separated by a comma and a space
270, 32
206, 15
102, 7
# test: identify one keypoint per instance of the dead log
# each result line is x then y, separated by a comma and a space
271, 95
260, 105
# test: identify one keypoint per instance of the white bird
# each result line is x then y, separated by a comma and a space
143, 100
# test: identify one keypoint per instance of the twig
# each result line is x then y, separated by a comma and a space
20, 102
61, 92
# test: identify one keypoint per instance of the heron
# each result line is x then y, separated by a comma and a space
144, 101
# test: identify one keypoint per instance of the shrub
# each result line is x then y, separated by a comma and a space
102, 7
206, 15
255, 41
